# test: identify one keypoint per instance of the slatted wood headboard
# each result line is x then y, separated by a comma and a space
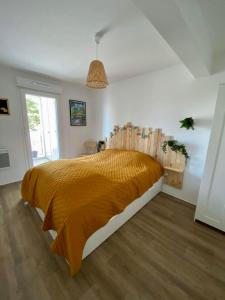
149, 141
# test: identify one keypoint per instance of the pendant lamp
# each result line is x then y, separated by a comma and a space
96, 78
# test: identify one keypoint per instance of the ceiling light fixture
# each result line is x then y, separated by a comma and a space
97, 78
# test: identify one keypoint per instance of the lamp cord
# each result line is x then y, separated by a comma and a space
96, 50
97, 41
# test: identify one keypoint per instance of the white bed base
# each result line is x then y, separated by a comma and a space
97, 238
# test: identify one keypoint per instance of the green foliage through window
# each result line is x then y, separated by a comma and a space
33, 114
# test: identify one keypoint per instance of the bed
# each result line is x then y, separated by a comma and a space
83, 201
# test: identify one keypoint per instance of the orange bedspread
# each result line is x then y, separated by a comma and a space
78, 196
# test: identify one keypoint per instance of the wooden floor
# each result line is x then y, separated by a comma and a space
159, 254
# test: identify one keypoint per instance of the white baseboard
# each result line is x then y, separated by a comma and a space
178, 197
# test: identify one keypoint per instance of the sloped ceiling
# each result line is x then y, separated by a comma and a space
194, 29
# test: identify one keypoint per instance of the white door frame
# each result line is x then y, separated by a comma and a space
28, 150
203, 212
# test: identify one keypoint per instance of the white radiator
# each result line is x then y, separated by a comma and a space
4, 158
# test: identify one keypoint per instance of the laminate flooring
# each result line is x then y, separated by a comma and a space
158, 254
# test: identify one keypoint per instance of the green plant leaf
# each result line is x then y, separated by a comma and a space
176, 147
187, 123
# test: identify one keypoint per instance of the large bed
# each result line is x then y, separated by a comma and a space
83, 201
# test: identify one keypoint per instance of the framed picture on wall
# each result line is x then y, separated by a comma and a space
4, 109
78, 113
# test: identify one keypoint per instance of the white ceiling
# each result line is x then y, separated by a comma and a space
213, 12
194, 29
55, 38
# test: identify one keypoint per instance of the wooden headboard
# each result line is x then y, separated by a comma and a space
150, 141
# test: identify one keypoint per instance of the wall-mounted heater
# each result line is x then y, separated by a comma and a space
4, 158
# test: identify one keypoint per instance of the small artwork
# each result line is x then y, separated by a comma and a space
77, 113
4, 109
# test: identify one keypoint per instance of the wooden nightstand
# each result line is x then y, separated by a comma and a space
174, 177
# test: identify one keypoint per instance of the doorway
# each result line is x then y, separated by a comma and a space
41, 115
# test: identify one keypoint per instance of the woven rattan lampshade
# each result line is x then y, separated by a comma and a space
96, 75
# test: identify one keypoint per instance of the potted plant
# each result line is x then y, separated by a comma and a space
187, 123
175, 146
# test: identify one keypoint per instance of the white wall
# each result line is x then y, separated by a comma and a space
11, 127
159, 100
73, 137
